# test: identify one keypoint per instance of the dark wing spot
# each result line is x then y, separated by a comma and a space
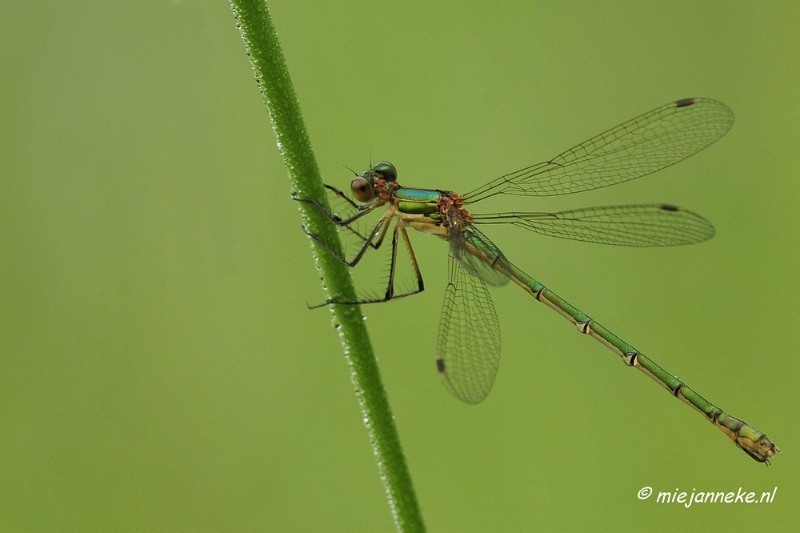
440, 365
668, 207
684, 102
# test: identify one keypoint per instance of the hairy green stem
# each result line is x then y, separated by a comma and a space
261, 43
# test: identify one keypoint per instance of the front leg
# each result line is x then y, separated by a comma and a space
389, 293
342, 195
362, 209
378, 231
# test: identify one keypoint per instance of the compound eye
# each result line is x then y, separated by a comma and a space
385, 169
361, 189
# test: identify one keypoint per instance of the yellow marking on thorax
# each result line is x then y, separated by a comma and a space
425, 225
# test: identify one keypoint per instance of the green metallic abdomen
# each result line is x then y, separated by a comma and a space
417, 201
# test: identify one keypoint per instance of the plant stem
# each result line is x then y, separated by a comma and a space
261, 43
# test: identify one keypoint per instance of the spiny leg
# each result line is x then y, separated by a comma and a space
380, 229
389, 293
336, 219
401, 229
339, 193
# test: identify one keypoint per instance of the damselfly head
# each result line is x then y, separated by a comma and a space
363, 186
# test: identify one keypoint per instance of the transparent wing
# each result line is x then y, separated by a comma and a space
468, 347
623, 225
466, 249
641, 146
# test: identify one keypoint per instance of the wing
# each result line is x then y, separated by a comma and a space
622, 225
466, 249
641, 146
468, 347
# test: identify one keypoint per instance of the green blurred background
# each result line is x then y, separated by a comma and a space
159, 369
